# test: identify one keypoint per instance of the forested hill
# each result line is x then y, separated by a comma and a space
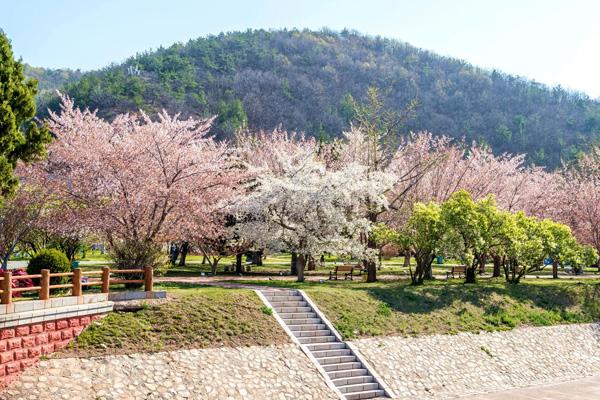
303, 80
49, 80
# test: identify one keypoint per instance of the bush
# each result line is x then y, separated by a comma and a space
51, 259
130, 254
21, 283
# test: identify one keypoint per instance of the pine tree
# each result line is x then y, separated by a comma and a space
20, 137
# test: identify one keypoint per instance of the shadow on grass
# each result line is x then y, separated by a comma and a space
559, 297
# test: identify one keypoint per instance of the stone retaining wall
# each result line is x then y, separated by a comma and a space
22, 346
32, 328
448, 366
262, 373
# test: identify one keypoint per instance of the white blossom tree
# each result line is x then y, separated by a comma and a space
310, 210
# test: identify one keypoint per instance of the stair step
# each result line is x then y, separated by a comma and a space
348, 373
332, 353
278, 304
292, 309
368, 394
360, 387
342, 366
336, 359
318, 332
326, 346
301, 321
317, 339
307, 327
284, 298
353, 380
289, 315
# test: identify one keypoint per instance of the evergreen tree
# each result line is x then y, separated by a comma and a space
20, 137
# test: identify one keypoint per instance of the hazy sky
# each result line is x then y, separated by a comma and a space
551, 41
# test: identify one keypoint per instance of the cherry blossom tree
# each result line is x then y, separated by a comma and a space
22, 212
581, 198
310, 210
139, 182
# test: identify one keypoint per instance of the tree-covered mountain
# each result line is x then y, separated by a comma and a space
305, 81
49, 80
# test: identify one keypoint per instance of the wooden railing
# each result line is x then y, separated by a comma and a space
76, 285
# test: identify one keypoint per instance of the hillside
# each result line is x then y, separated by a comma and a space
50, 80
303, 80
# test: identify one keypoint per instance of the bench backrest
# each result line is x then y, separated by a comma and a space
459, 268
344, 268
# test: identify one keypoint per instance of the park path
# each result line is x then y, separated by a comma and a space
581, 389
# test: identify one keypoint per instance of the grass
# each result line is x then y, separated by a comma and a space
447, 307
195, 317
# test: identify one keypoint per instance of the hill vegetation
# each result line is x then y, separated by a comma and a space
49, 80
306, 80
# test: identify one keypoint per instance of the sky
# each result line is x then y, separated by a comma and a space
554, 42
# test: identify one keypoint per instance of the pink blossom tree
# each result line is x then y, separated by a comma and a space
23, 211
581, 198
139, 182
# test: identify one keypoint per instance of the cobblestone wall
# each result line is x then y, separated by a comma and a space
447, 366
262, 373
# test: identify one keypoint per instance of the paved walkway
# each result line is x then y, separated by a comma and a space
581, 389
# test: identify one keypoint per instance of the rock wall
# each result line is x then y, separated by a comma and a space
22, 346
262, 373
448, 366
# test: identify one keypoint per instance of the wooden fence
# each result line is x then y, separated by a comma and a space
76, 285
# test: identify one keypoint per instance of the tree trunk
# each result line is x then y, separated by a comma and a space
370, 264
213, 266
173, 253
428, 272
294, 264
311, 266
185, 247
257, 258
407, 259
497, 264
471, 274
482, 265
300, 264
238, 263
204, 259
555, 269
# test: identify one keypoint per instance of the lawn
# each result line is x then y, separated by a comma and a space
447, 307
195, 317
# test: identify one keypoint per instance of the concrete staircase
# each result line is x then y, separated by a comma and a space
336, 359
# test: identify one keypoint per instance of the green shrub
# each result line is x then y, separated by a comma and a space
51, 259
266, 310
130, 254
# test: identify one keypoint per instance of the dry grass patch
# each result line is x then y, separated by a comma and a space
194, 317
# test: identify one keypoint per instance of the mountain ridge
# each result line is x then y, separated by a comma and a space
304, 79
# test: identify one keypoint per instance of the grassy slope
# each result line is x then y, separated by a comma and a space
440, 307
197, 317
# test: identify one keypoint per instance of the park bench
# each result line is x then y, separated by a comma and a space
347, 270
457, 270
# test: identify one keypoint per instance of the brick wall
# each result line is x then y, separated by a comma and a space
21, 346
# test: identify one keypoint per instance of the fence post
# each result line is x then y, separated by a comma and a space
7, 287
45, 285
105, 279
76, 282
148, 277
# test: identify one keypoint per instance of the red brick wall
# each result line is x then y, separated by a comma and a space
22, 346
